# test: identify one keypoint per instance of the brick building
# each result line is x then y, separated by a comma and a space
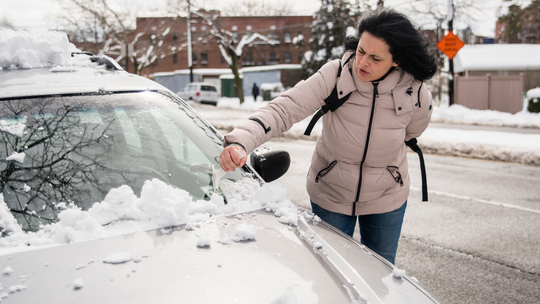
206, 54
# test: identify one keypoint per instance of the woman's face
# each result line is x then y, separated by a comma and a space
373, 58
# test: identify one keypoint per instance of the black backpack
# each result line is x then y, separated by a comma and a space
333, 102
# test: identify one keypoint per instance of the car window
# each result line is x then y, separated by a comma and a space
208, 88
76, 149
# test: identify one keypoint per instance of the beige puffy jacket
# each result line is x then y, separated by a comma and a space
360, 162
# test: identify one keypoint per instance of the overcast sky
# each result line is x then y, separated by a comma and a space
35, 14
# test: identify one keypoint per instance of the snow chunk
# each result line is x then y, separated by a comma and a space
18, 157
225, 240
121, 257
398, 273
16, 288
244, 232
7, 271
203, 242
8, 223
34, 50
16, 130
78, 284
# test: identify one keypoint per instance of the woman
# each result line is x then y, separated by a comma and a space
359, 169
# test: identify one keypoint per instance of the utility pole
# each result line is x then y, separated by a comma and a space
451, 60
190, 55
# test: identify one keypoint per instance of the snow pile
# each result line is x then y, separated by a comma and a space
20, 49
159, 205
533, 93
459, 114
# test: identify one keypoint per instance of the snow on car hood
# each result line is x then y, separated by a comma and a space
160, 205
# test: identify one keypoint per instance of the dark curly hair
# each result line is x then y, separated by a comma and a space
409, 48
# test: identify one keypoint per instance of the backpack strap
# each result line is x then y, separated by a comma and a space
331, 103
413, 144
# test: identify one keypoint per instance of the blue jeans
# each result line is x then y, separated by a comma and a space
379, 232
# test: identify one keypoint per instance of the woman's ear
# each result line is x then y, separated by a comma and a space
395, 63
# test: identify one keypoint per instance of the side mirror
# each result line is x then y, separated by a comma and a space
270, 163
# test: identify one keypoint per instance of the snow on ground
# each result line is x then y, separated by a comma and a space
505, 146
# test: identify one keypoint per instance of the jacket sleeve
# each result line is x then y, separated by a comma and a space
283, 112
421, 118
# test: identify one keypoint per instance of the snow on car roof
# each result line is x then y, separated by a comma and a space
37, 64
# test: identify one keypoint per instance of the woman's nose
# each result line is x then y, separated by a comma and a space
364, 61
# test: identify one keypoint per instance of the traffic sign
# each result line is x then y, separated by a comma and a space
450, 45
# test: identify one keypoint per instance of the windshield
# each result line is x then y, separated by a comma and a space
76, 149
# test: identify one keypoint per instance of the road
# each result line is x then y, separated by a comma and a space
477, 239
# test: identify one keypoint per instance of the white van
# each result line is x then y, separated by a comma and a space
202, 92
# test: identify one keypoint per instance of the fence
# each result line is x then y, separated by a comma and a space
500, 93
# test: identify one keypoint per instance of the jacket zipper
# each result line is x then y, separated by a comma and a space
325, 171
375, 96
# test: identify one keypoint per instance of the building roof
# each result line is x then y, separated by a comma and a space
497, 57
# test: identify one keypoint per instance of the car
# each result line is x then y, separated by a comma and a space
201, 92
269, 91
107, 196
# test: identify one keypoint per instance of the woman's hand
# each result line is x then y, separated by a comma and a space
232, 157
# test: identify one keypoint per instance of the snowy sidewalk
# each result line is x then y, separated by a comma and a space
495, 145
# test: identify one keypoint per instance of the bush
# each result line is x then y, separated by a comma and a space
534, 105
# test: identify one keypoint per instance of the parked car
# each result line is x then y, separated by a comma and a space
269, 91
107, 197
200, 92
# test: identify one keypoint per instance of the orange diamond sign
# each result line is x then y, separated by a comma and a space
450, 45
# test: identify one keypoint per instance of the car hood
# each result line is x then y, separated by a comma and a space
209, 263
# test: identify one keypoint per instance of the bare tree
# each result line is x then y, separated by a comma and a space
258, 8
94, 25
5, 22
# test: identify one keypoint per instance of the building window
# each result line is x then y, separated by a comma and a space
175, 36
194, 58
287, 58
235, 37
273, 58
175, 57
287, 37
248, 59
204, 58
300, 57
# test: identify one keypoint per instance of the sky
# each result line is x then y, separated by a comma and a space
35, 14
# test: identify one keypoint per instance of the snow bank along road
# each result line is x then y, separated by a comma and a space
509, 144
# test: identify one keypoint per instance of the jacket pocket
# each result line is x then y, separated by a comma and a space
393, 170
325, 171
376, 181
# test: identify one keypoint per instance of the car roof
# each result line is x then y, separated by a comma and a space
97, 75
202, 83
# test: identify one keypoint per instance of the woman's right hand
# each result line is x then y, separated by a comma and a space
232, 157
